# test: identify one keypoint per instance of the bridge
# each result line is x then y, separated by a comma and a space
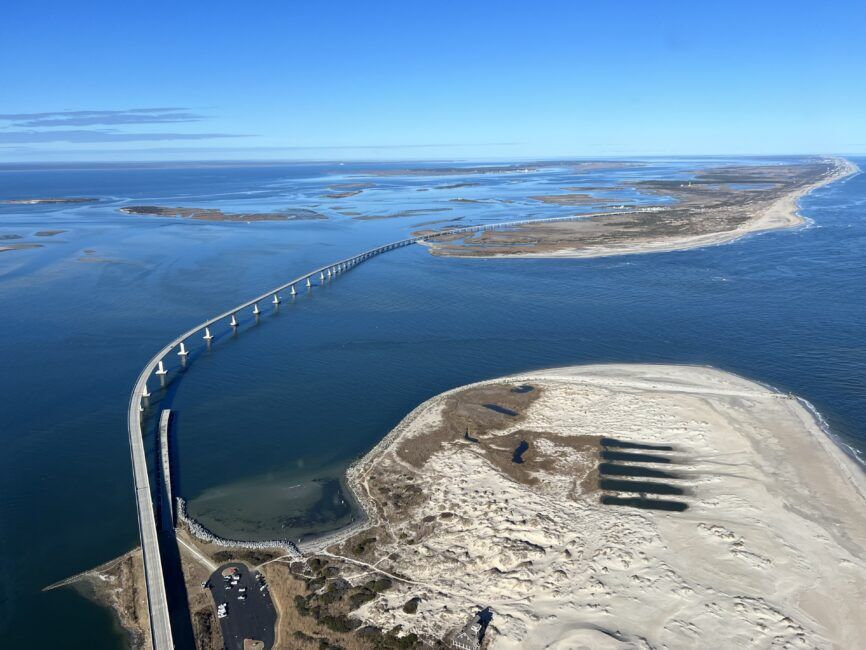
160, 624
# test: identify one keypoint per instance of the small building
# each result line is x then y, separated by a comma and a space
469, 638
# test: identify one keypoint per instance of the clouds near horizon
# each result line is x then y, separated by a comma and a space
42, 127
91, 118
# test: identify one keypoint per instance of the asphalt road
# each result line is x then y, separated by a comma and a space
252, 618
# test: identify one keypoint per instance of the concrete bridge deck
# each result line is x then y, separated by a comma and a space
156, 593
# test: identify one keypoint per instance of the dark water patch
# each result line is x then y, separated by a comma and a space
518, 453
645, 504
525, 388
613, 469
330, 506
634, 458
501, 409
623, 444
639, 486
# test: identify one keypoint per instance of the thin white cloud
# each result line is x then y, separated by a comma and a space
93, 118
87, 135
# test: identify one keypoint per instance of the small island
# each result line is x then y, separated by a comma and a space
214, 214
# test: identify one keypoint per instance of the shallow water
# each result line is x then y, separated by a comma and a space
268, 421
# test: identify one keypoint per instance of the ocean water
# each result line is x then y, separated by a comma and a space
269, 418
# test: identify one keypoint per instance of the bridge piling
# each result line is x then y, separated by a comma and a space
207, 335
160, 370
256, 311
293, 292
182, 352
234, 321
309, 284
276, 299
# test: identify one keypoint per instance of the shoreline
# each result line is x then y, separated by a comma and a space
783, 213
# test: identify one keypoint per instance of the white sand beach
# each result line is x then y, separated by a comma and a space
770, 552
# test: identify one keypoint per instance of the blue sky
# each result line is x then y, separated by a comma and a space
425, 80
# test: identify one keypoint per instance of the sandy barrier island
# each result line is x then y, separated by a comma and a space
597, 237
767, 547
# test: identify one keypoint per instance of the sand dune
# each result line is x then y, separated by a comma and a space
770, 552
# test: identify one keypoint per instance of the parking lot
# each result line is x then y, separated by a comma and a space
249, 610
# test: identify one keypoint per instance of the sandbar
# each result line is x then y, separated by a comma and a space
71, 199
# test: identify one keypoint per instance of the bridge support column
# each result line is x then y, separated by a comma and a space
256, 311
234, 321
207, 335
145, 392
293, 292
309, 284
183, 351
276, 299
321, 276
160, 370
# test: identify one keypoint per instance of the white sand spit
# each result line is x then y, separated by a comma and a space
770, 553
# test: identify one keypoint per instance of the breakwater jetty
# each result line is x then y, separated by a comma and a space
202, 533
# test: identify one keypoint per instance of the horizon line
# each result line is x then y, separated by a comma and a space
338, 161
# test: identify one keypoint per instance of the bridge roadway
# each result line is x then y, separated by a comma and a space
160, 625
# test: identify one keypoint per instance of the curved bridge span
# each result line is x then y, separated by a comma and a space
160, 624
